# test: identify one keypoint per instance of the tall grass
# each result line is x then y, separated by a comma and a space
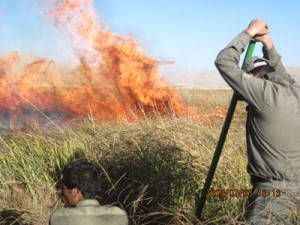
154, 168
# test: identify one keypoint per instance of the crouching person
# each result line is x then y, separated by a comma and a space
78, 186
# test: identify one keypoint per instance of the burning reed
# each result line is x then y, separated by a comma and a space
112, 79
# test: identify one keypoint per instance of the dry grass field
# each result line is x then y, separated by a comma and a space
154, 167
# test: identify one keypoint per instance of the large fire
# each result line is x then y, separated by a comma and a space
114, 78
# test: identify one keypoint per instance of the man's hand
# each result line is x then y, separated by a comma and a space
265, 40
257, 28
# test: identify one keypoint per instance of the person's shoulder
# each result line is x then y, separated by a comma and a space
92, 205
60, 216
113, 209
62, 212
114, 214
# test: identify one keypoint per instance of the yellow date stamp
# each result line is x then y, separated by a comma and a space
229, 192
219, 192
272, 193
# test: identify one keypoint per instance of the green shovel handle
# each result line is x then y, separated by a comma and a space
221, 140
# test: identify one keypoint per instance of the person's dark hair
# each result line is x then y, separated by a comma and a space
83, 175
262, 71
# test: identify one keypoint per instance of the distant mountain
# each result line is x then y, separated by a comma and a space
295, 72
208, 78
196, 78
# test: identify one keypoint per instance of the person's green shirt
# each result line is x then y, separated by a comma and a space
273, 121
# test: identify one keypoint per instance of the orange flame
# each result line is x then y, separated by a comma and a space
114, 78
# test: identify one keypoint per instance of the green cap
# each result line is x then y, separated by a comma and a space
255, 62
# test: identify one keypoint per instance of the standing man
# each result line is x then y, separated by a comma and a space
79, 185
273, 125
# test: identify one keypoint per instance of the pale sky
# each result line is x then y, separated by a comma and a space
190, 32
